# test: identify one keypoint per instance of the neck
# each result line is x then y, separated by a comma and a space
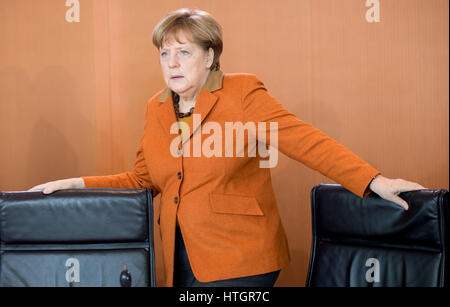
188, 100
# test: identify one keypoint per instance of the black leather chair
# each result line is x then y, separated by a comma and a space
86, 237
373, 242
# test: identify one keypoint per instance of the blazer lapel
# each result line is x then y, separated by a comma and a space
205, 102
166, 115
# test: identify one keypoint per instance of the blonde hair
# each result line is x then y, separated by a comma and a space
203, 29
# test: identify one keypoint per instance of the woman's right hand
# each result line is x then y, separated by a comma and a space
52, 186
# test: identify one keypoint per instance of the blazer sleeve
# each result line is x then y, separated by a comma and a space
138, 178
304, 143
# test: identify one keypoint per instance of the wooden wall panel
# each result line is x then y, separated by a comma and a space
72, 95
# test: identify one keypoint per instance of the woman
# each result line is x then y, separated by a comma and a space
219, 221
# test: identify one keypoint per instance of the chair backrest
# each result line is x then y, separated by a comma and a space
373, 242
77, 238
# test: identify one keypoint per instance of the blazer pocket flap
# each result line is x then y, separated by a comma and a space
234, 204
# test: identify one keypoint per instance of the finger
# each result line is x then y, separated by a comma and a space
38, 187
399, 201
50, 189
416, 186
410, 186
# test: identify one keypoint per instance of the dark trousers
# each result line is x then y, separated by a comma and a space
183, 276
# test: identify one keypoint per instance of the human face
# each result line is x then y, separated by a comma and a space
185, 65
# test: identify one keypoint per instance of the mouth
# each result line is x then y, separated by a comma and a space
176, 77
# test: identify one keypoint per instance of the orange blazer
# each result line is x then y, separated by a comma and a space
226, 206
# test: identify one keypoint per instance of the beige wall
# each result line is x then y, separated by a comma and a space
72, 95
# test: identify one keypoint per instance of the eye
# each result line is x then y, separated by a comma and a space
184, 52
163, 54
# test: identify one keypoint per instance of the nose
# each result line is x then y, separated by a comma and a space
173, 61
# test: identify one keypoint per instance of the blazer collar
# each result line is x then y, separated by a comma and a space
213, 83
205, 102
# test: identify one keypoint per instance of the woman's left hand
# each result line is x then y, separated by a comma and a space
390, 188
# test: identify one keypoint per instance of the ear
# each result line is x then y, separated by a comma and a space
209, 58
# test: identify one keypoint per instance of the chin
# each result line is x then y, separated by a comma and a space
177, 89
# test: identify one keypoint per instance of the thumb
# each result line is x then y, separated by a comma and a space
399, 201
50, 189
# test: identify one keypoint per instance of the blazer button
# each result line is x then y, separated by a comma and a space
179, 175
175, 200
